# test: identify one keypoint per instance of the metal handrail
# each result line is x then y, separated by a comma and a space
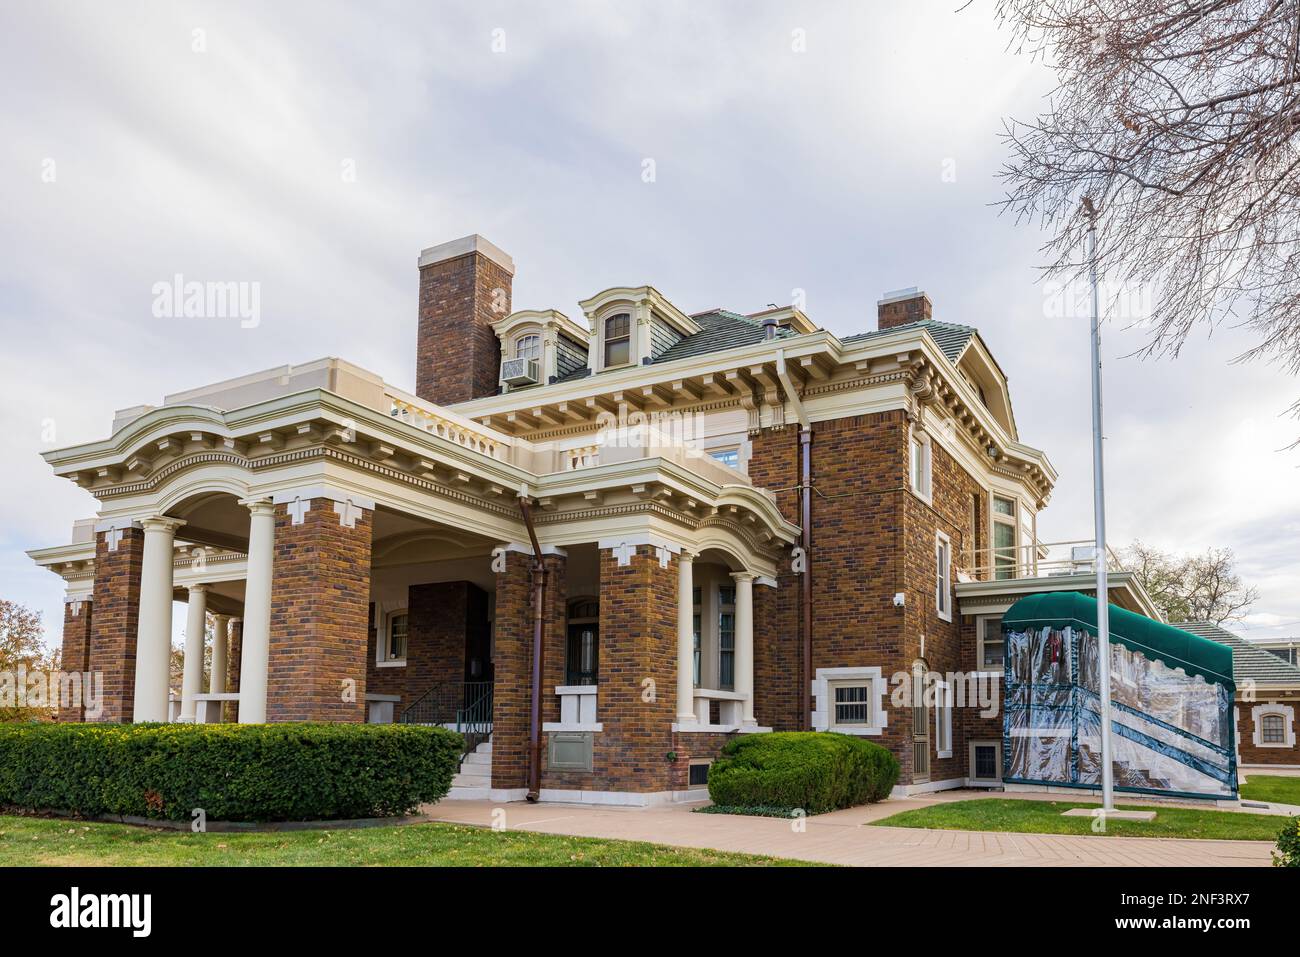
464, 705
1032, 560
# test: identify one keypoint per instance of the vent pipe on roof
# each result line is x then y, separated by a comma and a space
769, 327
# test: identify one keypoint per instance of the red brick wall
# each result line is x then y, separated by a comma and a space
1246, 748
230, 709
116, 619
440, 616
319, 613
693, 745
945, 649
75, 657
513, 655
458, 355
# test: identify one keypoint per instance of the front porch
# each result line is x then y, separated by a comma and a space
364, 564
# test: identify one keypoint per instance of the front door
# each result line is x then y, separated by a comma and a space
583, 657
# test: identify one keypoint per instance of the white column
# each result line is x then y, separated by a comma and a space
685, 638
153, 646
744, 681
256, 646
220, 648
196, 626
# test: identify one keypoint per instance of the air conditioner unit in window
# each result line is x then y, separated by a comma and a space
520, 372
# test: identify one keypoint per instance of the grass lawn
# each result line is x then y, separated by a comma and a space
1278, 789
39, 841
1044, 817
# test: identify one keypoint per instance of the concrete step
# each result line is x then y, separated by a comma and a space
478, 758
464, 780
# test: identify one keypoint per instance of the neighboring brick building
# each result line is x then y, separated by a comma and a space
372, 544
1268, 696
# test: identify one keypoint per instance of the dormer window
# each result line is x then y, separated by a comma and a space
618, 340
528, 347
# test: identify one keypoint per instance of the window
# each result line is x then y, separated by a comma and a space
943, 719
920, 725
618, 340
695, 624
699, 773
728, 457
990, 647
985, 762
1004, 538
528, 347
851, 703
582, 652
393, 648
943, 576
726, 638
919, 469
850, 700
1273, 729
1274, 725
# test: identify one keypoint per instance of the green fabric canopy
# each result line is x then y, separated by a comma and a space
1154, 639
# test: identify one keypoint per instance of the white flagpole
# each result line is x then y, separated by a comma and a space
1099, 514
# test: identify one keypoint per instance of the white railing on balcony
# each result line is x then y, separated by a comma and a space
1033, 560
447, 424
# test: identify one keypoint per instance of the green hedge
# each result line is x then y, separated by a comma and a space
815, 771
234, 772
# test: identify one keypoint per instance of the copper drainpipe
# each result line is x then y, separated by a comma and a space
805, 521
535, 704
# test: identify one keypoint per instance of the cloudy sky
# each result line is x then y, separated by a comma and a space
844, 149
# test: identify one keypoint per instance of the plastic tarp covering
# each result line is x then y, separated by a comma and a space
1170, 732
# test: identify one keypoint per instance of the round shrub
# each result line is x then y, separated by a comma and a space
1288, 844
816, 771
234, 772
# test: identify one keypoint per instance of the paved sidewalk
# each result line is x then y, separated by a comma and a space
841, 838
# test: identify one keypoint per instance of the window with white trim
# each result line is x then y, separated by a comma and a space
1274, 725
618, 340
851, 703
528, 347
728, 457
1004, 537
943, 576
919, 469
943, 698
990, 646
392, 641
726, 637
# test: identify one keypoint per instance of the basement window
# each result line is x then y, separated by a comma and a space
699, 774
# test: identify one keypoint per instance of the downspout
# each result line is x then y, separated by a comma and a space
805, 524
539, 610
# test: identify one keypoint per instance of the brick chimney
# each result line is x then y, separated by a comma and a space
464, 288
901, 307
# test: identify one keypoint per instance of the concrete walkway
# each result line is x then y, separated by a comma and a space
841, 838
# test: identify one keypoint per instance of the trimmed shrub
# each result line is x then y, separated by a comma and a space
1288, 844
816, 771
234, 772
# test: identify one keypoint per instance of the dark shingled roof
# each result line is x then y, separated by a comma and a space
1248, 660
951, 337
721, 329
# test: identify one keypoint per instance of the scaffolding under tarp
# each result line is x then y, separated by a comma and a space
1171, 701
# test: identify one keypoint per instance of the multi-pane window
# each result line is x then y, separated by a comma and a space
396, 646
618, 340
943, 576
728, 457
992, 646
726, 637
1273, 729
528, 347
919, 469
1004, 537
852, 703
